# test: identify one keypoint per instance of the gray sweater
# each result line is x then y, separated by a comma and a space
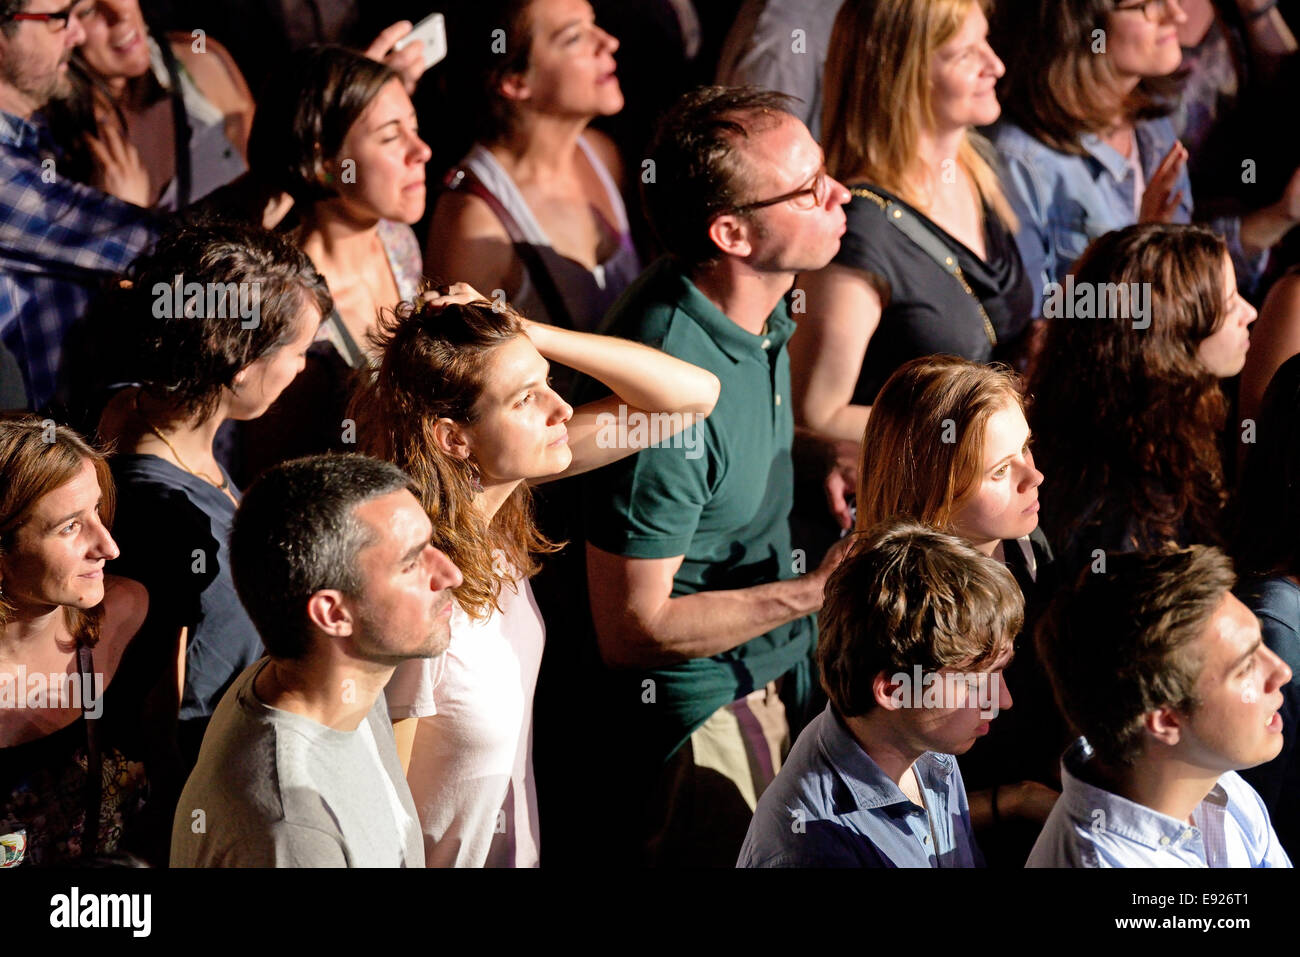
276, 789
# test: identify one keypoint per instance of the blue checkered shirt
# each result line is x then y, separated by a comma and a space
59, 241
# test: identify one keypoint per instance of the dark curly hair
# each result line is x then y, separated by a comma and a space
185, 358
1127, 419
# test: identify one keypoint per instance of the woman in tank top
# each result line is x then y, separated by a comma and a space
534, 209
71, 697
133, 85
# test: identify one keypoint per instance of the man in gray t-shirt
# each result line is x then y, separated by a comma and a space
332, 557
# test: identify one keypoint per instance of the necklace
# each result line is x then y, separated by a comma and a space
223, 485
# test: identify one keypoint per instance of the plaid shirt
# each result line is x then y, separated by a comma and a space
59, 241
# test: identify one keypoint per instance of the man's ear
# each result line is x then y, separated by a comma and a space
890, 693
731, 235
328, 610
1165, 725
451, 438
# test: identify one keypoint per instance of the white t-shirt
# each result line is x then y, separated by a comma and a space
471, 770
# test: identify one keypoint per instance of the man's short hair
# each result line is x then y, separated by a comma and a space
1122, 642
7, 9
296, 532
699, 171
908, 595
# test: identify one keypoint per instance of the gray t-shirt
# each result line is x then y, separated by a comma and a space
276, 789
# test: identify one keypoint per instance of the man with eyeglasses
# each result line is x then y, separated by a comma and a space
699, 604
59, 240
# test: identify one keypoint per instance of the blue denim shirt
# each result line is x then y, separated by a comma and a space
1090, 827
1064, 201
832, 806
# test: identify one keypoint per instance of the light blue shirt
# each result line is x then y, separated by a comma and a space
832, 806
1091, 827
1064, 201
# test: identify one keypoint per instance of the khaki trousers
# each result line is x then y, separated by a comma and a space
701, 806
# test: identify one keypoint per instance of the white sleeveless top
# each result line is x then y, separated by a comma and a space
587, 293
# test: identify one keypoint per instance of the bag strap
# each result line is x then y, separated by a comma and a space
547, 291
180, 125
94, 757
931, 245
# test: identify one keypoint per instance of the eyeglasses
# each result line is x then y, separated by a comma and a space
810, 197
57, 20
1153, 10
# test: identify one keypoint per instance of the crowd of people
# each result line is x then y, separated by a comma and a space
844, 448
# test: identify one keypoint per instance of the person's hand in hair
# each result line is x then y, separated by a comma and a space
408, 62
118, 168
1160, 200
457, 294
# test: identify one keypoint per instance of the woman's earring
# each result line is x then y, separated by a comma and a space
474, 481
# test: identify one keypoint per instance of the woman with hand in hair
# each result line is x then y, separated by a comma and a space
461, 401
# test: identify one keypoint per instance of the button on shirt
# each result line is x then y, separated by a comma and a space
59, 241
1064, 200
832, 806
1091, 827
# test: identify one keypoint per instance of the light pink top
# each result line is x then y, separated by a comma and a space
471, 770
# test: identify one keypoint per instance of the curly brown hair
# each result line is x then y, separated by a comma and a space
433, 362
1127, 419
186, 358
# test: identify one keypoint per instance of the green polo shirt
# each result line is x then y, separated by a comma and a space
721, 500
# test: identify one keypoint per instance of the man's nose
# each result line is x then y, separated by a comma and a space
445, 574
